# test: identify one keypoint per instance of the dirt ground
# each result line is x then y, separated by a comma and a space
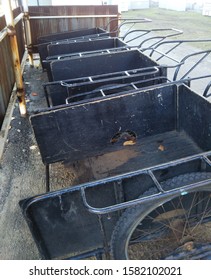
22, 173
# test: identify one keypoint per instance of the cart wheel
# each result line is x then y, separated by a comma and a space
179, 228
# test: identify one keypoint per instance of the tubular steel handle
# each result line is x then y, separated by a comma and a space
143, 31
112, 208
119, 86
154, 198
189, 79
124, 21
81, 54
113, 75
205, 54
205, 94
175, 43
172, 32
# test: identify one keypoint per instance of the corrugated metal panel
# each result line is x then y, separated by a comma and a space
43, 26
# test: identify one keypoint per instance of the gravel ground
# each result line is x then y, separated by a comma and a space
22, 173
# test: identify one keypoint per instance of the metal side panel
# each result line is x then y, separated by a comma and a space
77, 47
62, 226
86, 130
99, 64
70, 34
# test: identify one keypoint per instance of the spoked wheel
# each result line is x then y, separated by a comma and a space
175, 229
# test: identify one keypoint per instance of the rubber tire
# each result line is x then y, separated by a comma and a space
131, 217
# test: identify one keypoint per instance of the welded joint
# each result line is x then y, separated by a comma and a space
20, 92
11, 30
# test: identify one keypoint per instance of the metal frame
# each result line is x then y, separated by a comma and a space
112, 32
134, 86
116, 77
108, 81
172, 32
152, 172
160, 197
96, 36
151, 198
125, 21
144, 32
206, 91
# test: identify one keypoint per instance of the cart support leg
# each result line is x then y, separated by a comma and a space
47, 177
105, 241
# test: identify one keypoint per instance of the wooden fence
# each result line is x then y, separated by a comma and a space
52, 19
7, 77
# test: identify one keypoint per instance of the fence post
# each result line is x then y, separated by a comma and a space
28, 31
15, 55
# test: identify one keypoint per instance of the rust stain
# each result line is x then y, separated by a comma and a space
127, 135
161, 148
129, 143
102, 165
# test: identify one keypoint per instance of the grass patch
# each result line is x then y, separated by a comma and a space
193, 24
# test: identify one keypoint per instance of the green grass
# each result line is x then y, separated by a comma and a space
193, 24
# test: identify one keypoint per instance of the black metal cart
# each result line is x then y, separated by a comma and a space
103, 63
86, 34
105, 77
81, 48
67, 49
152, 150
102, 86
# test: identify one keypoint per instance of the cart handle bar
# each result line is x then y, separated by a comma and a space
179, 64
125, 21
110, 50
133, 85
139, 71
100, 35
176, 32
205, 94
155, 198
185, 81
175, 43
